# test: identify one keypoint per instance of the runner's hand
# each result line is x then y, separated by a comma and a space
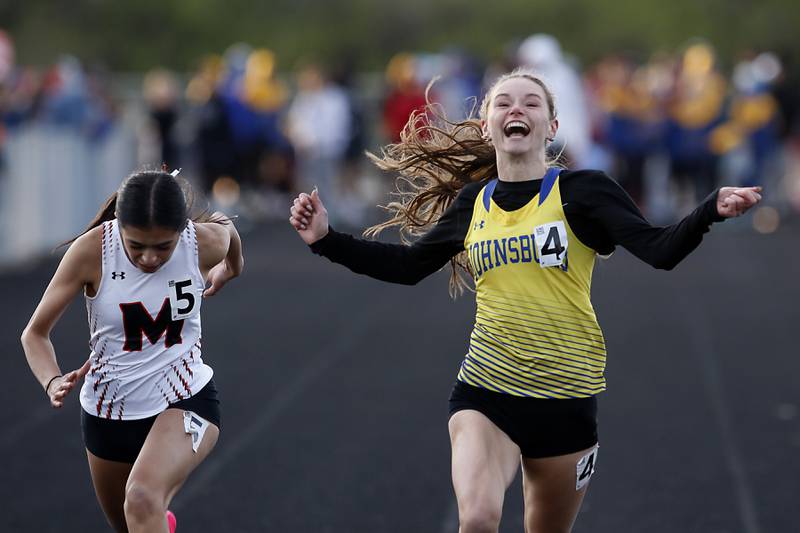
217, 278
735, 201
61, 386
309, 217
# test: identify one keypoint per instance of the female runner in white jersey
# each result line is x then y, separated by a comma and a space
528, 235
150, 412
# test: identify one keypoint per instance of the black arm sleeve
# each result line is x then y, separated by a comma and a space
603, 215
404, 264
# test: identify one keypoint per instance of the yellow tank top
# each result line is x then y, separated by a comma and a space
535, 331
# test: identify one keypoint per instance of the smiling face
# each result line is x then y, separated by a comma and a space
519, 117
149, 248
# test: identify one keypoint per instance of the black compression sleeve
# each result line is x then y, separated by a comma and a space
405, 264
598, 210
602, 203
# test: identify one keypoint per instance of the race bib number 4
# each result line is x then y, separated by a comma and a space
184, 299
585, 468
551, 243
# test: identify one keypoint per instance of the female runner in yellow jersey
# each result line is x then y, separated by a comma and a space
481, 195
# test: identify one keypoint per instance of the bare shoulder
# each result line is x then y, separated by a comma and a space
84, 255
212, 234
213, 239
88, 247
79, 269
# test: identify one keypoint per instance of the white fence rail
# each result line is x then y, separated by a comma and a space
53, 182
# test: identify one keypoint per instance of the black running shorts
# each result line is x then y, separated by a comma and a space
122, 440
540, 427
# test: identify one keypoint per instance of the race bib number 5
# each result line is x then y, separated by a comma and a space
551, 243
184, 300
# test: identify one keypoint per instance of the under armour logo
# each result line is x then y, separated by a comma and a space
120, 275
479, 225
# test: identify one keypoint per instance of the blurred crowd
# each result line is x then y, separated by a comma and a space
670, 127
67, 94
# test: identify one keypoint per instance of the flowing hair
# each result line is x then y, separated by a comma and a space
433, 161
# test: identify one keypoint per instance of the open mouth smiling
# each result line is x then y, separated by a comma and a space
516, 128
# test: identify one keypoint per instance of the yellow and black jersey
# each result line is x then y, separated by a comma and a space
535, 330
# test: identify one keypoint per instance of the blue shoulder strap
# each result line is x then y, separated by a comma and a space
547, 183
487, 193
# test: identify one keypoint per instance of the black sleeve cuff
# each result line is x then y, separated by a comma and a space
710, 208
319, 246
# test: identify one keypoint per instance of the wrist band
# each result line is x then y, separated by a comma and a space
47, 387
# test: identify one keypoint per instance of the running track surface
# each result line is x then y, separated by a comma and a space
334, 392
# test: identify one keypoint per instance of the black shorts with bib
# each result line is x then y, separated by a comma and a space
540, 427
122, 440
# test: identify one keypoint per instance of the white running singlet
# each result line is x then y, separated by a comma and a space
145, 332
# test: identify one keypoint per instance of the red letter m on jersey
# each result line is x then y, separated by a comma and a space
137, 321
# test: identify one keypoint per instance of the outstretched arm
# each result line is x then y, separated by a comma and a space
603, 216
396, 263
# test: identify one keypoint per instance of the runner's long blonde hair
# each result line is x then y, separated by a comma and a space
433, 161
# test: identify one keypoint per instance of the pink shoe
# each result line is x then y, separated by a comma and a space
172, 522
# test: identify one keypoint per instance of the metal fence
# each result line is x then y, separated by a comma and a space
52, 182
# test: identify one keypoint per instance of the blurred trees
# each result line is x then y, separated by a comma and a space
137, 34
